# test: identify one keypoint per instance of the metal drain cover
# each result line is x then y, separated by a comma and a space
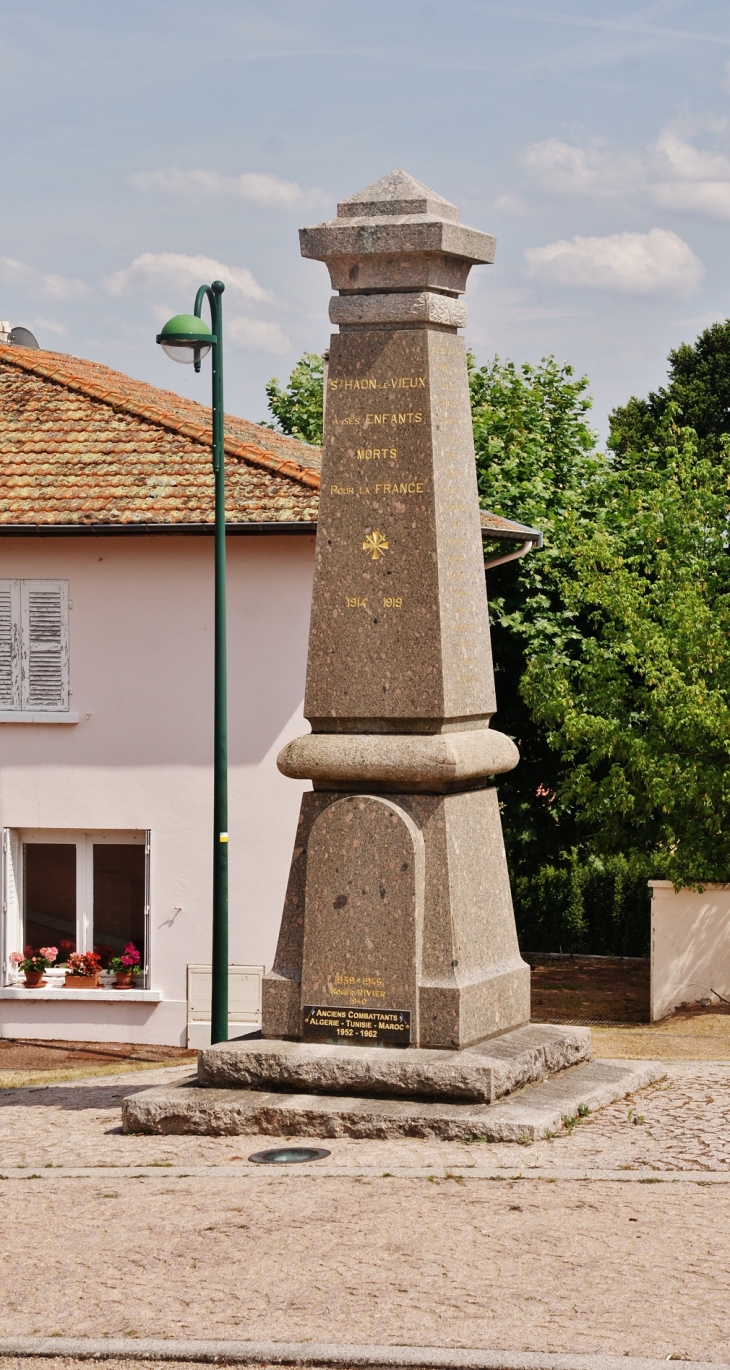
289, 1155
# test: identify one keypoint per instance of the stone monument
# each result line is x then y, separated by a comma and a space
399, 1003
398, 926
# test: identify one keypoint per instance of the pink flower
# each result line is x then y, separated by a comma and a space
50, 953
16, 957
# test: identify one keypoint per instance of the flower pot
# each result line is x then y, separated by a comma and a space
34, 979
123, 979
81, 981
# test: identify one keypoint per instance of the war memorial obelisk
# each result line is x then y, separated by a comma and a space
398, 1003
398, 926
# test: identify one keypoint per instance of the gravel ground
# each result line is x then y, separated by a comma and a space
525, 1264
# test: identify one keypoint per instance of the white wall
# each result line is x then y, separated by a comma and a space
690, 946
141, 647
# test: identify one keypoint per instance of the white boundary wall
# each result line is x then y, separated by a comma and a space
690, 946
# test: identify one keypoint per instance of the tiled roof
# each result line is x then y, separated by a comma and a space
499, 529
83, 445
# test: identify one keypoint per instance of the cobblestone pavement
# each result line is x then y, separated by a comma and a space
382, 1257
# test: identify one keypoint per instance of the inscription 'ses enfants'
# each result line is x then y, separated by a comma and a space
372, 420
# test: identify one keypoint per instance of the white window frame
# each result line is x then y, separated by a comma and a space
13, 841
21, 708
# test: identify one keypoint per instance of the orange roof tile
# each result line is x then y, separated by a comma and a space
82, 445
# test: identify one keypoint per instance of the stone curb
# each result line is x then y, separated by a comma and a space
325, 1354
226, 1171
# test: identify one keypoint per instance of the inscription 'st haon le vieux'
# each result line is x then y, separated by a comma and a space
398, 900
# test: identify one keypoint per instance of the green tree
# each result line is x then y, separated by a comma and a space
537, 462
699, 384
298, 407
639, 710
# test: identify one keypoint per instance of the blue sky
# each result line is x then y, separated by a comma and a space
149, 145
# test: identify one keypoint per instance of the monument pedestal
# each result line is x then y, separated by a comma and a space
398, 907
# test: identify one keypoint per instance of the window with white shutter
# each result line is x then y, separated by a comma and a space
34, 683
44, 645
9, 644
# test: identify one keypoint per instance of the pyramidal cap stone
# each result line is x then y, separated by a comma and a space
396, 193
397, 235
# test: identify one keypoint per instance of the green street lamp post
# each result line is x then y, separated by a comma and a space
187, 338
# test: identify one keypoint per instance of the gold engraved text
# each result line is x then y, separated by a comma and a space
409, 417
356, 601
404, 487
392, 601
376, 453
371, 383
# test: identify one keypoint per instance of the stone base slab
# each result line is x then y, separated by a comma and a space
478, 1074
535, 1112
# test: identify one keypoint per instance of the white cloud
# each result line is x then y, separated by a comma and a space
672, 174
50, 326
566, 169
510, 204
693, 179
259, 188
43, 285
258, 335
634, 263
175, 270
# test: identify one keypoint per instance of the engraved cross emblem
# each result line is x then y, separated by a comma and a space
376, 545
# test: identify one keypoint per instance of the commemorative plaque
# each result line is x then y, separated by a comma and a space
364, 1027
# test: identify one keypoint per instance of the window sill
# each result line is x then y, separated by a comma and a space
33, 716
117, 996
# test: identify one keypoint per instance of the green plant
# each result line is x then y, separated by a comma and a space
128, 963
298, 407
34, 962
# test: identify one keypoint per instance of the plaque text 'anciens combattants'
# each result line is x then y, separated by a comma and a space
376, 1027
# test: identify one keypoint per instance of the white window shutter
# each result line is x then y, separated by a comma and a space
45, 644
12, 931
9, 644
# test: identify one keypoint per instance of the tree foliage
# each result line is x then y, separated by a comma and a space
297, 407
699, 384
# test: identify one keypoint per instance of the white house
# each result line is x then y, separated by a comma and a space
106, 687
106, 692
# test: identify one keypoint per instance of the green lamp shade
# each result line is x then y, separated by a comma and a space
186, 338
